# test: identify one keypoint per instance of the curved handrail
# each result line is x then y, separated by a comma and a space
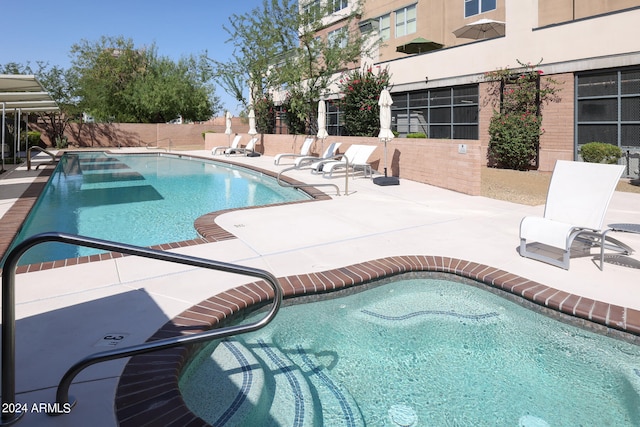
157, 147
62, 394
35, 147
346, 176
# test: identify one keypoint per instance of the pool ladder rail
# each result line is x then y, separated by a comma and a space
53, 160
63, 400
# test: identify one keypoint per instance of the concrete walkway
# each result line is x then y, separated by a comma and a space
67, 313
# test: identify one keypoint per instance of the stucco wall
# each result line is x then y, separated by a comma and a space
431, 161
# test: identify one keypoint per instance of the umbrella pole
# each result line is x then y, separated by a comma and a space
385, 157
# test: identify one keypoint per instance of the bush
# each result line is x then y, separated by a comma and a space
361, 91
513, 140
206, 132
600, 152
34, 137
417, 135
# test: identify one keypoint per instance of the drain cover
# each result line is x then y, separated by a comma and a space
622, 260
111, 339
403, 415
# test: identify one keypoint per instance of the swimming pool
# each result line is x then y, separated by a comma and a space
416, 352
140, 199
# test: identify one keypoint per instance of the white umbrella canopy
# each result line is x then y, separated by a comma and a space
252, 122
385, 102
481, 29
322, 120
228, 130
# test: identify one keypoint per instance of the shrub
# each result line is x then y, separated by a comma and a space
294, 107
361, 91
206, 132
265, 114
417, 135
513, 139
600, 152
34, 137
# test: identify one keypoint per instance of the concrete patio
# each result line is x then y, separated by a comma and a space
65, 314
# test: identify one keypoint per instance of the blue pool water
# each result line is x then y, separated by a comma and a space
139, 199
416, 352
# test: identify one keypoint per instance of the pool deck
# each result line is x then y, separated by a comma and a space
64, 314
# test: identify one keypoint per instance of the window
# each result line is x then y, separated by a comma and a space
608, 108
475, 7
450, 112
338, 38
385, 27
406, 21
312, 11
337, 5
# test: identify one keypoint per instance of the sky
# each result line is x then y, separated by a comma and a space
45, 30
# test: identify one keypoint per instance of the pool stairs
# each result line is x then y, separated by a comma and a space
247, 383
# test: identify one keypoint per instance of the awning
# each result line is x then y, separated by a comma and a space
24, 92
21, 94
419, 45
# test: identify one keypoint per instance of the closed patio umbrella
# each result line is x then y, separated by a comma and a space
252, 122
322, 122
228, 130
385, 135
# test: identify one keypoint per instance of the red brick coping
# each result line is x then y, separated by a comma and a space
148, 391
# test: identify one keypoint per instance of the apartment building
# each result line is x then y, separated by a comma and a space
588, 46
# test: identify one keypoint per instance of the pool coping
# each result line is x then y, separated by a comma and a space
148, 388
204, 225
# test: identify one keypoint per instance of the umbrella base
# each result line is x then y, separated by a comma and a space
386, 180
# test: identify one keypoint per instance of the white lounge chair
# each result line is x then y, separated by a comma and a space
350, 153
359, 160
312, 162
577, 200
246, 150
223, 149
304, 151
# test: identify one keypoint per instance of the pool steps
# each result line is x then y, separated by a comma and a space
290, 387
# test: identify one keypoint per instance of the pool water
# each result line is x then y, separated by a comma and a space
416, 352
143, 200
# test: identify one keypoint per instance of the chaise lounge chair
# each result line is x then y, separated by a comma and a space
312, 162
350, 153
246, 150
359, 160
304, 151
577, 200
223, 149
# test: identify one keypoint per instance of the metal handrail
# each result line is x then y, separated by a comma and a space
62, 395
346, 176
35, 147
157, 147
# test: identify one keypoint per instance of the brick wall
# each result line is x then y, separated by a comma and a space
431, 161
557, 121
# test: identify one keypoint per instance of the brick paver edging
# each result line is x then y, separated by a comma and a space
148, 390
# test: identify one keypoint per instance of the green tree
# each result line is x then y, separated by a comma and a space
361, 91
277, 49
118, 82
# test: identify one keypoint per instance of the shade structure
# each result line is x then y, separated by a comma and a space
384, 102
419, 45
252, 122
228, 130
20, 93
481, 29
322, 120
